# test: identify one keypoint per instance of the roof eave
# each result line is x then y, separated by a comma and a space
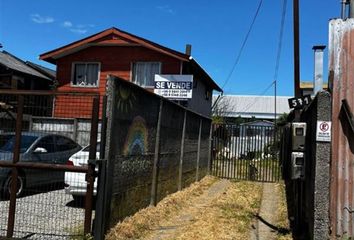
52, 56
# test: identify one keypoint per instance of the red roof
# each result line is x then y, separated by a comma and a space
119, 37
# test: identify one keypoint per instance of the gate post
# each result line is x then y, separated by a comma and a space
90, 176
210, 151
100, 221
14, 174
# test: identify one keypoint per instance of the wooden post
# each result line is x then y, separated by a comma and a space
198, 153
153, 198
180, 173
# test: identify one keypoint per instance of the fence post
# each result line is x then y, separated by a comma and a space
75, 125
14, 172
90, 176
210, 150
198, 153
100, 220
153, 198
180, 173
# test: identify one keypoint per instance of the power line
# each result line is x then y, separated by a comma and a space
277, 62
257, 98
243, 44
280, 41
276, 70
240, 52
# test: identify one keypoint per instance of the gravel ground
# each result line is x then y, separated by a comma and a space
49, 215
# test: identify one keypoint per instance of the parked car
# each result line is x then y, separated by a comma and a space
35, 147
75, 183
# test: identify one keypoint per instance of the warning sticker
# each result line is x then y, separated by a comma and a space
323, 131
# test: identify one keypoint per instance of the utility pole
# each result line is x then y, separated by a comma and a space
296, 48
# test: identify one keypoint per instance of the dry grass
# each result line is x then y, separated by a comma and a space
228, 217
283, 221
136, 226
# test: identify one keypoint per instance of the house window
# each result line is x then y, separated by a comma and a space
144, 73
86, 74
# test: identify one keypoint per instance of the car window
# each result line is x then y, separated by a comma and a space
7, 143
65, 144
87, 149
47, 143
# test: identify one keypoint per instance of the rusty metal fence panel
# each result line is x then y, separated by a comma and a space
246, 152
38, 204
341, 81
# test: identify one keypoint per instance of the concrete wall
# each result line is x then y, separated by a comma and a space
308, 199
316, 185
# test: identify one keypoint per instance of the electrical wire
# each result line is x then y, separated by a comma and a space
256, 99
240, 51
277, 63
280, 42
243, 44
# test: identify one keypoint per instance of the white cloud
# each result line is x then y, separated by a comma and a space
41, 19
166, 9
67, 24
78, 30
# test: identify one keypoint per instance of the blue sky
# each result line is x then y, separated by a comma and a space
215, 29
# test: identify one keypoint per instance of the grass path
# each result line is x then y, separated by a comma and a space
219, 209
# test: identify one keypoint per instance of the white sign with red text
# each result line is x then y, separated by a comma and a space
323, 131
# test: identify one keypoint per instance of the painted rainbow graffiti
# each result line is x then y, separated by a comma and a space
136, 142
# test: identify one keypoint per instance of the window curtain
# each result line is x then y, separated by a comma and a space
92, 74
79, 74
86, 74
144, 73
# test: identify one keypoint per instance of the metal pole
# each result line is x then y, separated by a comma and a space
318, 71
198, 153
14, 174
90, 175
210, 151
275, 103
180, 172
153, 197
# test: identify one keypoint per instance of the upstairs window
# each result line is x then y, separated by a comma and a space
144, 73
86, 74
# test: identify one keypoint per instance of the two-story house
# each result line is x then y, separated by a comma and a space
83, 66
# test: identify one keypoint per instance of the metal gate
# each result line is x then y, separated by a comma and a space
39, 134
246, 152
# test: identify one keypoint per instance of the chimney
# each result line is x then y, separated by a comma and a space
351, 8
188, 49
318, 75
347, 9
